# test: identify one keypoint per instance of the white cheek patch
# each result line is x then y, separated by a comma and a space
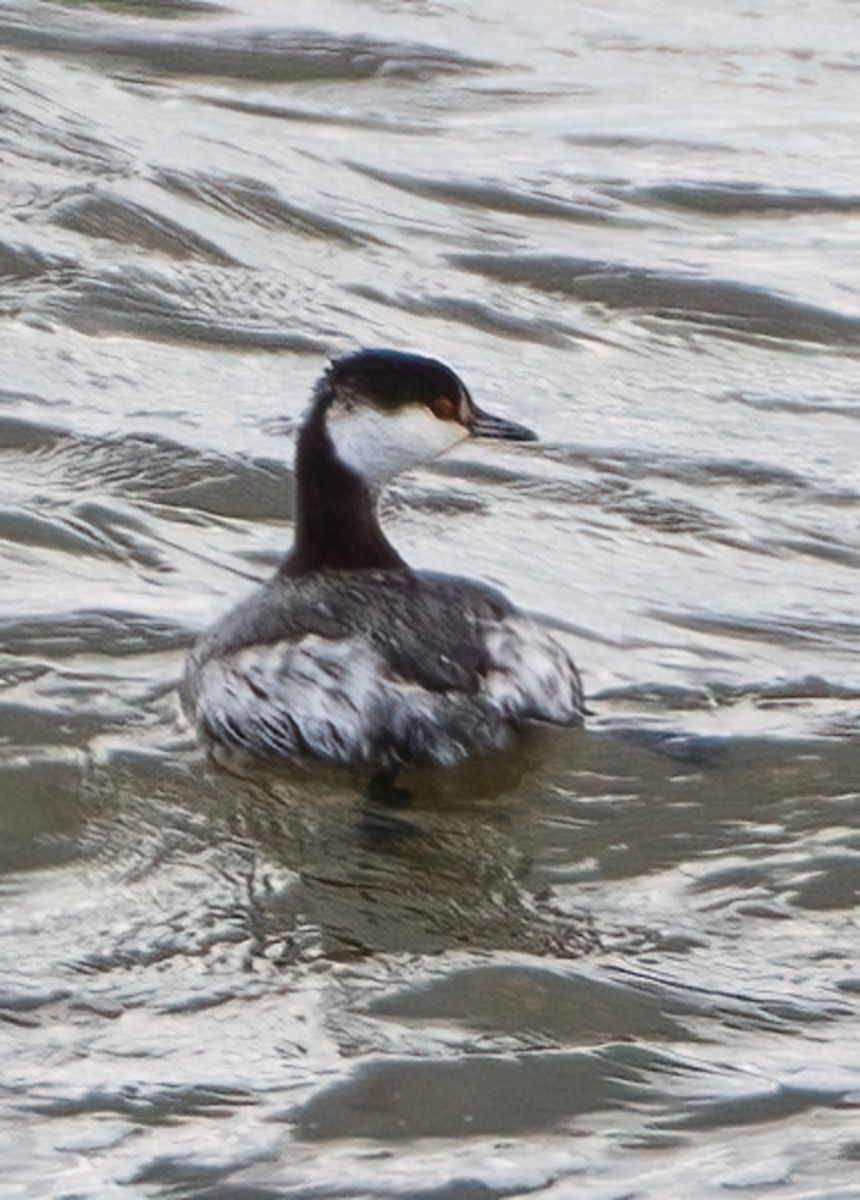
379, 445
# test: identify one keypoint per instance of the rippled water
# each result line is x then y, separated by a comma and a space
619, 962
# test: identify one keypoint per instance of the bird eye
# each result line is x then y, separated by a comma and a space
444, 408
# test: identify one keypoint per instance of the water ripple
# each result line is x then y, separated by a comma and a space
253, 200
101, 214
731, 199
713, 305
177, 309
275, 55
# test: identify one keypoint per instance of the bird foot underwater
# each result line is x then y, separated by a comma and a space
382, 789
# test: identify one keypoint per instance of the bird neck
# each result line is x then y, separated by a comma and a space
337, 527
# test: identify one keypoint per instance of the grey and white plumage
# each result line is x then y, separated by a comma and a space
347, 655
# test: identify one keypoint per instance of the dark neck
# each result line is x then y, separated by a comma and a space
336, 524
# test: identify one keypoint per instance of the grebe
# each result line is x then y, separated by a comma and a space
349, 656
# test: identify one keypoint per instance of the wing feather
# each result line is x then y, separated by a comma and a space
450, 673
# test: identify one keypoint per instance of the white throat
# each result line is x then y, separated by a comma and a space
379, 445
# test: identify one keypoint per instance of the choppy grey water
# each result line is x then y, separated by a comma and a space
615, 963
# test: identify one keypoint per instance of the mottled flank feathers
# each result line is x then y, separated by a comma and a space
378, 668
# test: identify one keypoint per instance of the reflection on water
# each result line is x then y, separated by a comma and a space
604, 961
518, 947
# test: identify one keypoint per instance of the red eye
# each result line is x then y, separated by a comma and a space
445, 409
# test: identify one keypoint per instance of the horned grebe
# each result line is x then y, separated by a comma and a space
349, 656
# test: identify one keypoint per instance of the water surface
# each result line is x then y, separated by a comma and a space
619, 962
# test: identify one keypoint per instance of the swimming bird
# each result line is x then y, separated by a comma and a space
348, 655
